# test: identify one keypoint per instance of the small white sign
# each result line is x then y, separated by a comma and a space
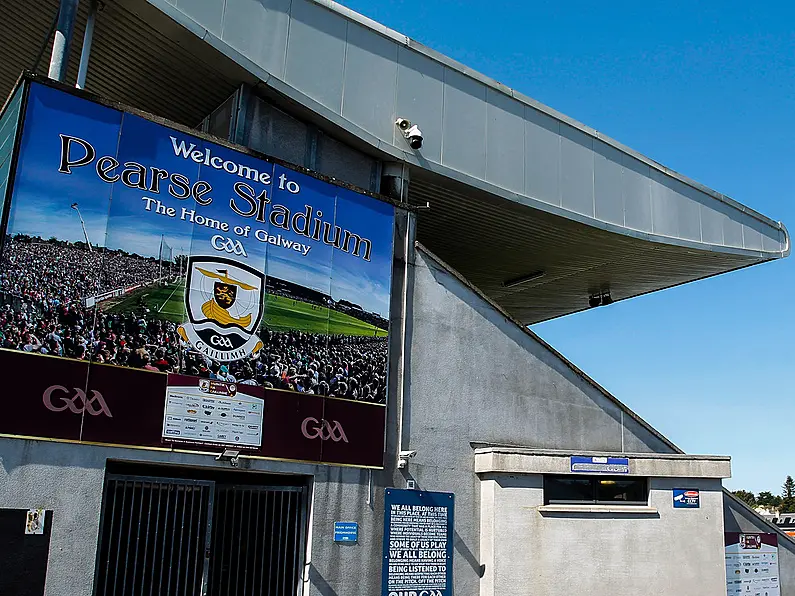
34, 521
193, 414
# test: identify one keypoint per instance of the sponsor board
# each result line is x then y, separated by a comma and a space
752, 564
51, 404
213, 413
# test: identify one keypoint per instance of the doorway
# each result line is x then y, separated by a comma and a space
218, 535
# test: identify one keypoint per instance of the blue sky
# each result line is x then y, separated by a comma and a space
708, 89
116, 215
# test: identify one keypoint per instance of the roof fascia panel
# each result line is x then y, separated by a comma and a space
673, 209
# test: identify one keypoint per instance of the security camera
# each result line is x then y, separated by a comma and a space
229, 455
414, 137
411, 132
403, 458
602, 298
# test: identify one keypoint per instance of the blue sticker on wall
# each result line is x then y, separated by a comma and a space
599, 464
686, 498
346, 532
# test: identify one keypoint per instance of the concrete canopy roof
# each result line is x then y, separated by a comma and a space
516, 190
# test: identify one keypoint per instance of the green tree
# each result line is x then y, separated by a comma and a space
746, 496
787, 496
788, 488
768, 499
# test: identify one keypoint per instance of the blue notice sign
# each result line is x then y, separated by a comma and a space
686, 498
418, 543
346, 532
599, 465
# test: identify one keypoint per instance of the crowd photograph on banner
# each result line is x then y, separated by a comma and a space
135, 245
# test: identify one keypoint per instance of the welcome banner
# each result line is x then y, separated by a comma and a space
134, 244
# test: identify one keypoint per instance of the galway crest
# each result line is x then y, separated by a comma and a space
223, 300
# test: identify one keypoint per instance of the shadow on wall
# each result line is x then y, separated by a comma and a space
458, 542
521, 336
321, 585
464, 551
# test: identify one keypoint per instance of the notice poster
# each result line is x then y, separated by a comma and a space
418, 543
752, 564
211, 411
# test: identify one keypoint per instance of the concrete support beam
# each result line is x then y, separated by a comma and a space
59, 61
88, 38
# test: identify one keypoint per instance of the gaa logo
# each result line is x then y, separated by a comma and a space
77, 403
312, 428
229, 245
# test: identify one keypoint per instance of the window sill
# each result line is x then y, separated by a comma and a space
626, 509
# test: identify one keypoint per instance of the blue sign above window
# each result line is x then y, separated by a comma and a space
686, 498
599, 465
346, 532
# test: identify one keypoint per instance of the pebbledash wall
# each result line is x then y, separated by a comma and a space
472, 377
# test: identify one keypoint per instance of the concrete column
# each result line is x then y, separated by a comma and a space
67, 14
395, 181
88, 38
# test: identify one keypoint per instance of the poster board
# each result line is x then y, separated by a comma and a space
752, 564
418, 543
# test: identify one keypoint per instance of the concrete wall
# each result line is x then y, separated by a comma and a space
475, 376
739, 518
273, 132
69, 478
676, 551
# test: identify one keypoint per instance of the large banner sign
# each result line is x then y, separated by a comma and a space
135, 245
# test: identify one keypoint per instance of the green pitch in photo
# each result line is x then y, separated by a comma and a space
279, 314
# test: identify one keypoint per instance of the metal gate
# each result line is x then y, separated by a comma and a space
179, 537
257, 541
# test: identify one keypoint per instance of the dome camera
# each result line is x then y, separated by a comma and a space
414, 137
411, 132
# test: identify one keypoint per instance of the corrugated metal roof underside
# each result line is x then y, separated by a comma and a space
491, 241
132, 61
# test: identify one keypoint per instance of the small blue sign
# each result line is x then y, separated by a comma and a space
346, 532
599, 465
686, 498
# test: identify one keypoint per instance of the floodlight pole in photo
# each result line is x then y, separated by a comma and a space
160, 259
83, 224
